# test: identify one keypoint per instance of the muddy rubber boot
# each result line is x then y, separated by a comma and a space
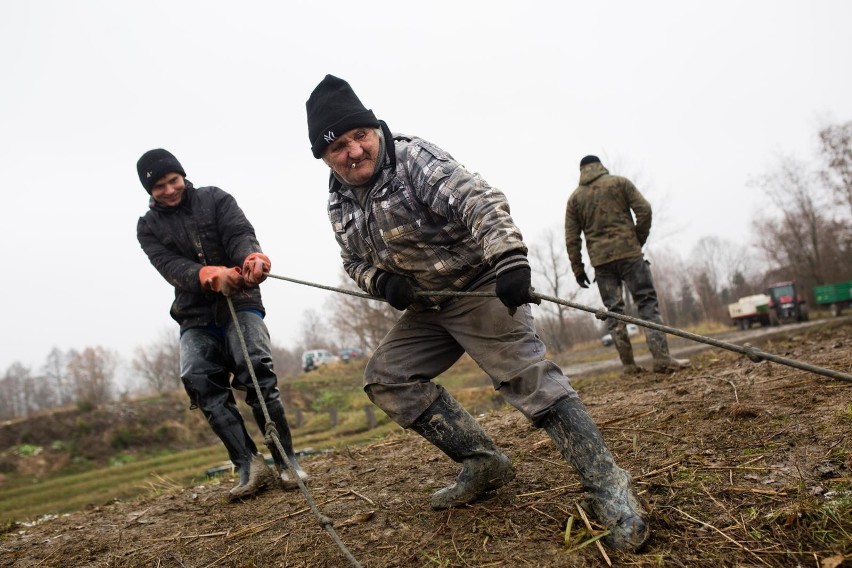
229, 427
285, 466
658, 345
609, 488
625, 351
449, 427
243, 470
288, 482
260, 477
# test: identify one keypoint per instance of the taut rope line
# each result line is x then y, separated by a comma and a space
272, 434
752, 353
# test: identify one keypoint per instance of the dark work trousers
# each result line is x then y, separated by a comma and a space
425, 343
208, 358
635, 274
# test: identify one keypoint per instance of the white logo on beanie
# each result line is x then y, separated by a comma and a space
149, 174
330, 136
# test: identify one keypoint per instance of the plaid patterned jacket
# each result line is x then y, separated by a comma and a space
426, 217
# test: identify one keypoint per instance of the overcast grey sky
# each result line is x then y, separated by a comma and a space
695, 96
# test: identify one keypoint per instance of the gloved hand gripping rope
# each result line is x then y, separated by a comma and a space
752, 353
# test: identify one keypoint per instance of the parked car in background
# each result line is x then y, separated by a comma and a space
348, 353
632, 330
315, 357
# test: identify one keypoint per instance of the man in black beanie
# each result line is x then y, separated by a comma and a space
202, 244
410, 220
600, 208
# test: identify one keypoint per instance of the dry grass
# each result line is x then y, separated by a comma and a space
739, 464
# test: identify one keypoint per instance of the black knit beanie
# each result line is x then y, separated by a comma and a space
154, 164
333, 109
589, 160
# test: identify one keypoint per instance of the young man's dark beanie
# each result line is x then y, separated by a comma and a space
154, 164
333, 109
589, 160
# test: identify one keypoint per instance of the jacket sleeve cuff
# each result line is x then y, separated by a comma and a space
380, 280
510, 261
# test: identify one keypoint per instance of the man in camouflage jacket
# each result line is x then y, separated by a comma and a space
411, 220
600, 208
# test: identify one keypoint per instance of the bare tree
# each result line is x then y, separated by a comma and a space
159, 363
15, 389
666, 268
720, 259
687, 310
706, 291
802, 239
315, 333
836, 141
288, 362
553, 275
92, 374
54, 374
740, 286
730, 267
358, 321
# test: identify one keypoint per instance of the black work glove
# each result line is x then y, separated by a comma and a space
582, 279
514, 280
397, 290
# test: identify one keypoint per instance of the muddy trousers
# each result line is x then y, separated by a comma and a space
425, 343
635, 274
209, 357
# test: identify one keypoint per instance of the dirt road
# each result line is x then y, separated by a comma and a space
685, 348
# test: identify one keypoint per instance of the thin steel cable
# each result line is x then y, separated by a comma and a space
272, 433
752, 353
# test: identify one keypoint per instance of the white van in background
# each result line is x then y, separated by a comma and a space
316, 357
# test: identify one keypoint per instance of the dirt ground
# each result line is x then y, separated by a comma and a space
738, 463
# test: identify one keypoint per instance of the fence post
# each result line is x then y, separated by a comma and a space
298, 417
371, 416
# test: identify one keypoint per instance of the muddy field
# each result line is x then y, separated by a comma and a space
739, 464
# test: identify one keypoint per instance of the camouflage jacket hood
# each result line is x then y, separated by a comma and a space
602, 209
425, 216
591, 172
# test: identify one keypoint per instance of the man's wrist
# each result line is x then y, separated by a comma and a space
380, 281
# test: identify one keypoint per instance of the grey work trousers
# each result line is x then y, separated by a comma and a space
425, 343
635, 273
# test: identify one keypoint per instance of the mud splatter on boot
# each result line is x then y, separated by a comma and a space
609, 488
448, 426
625, 350
284, 464
288, 480
260, 477
659, 347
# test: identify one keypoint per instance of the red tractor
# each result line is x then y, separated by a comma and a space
786, 303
